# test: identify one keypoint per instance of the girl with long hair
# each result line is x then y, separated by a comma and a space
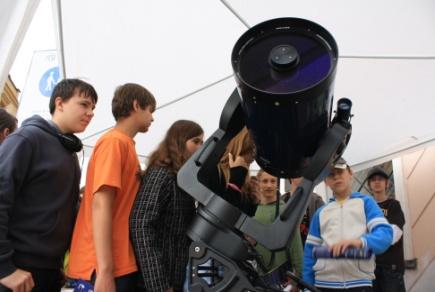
162, 211
231, 177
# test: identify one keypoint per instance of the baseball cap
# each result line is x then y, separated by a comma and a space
340, 163
377, 171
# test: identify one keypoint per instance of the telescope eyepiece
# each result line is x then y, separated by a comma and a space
344, 106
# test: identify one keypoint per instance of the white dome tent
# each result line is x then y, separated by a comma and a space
180, 50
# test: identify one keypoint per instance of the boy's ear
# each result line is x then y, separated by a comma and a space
58, 104
4, 133
136, 105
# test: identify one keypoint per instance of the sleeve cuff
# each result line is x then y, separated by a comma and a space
397, 233
7, 268
364, 242
238, 176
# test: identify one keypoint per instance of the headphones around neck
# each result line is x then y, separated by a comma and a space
71, 142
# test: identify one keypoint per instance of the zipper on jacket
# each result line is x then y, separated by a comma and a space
341, 238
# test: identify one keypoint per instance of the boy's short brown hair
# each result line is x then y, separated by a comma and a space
122, 102
66, 88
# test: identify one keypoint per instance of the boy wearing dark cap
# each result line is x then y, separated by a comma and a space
389, 265
348, 220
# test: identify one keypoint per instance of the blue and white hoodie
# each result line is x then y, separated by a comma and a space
359, 216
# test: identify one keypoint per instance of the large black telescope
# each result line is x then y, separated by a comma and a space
285, 71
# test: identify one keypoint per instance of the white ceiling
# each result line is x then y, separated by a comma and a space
180, 50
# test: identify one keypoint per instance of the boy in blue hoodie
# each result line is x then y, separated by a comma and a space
348, 220
39, 189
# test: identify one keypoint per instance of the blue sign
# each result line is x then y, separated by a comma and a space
48, 81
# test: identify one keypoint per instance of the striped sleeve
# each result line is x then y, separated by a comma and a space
313, 239
380, 233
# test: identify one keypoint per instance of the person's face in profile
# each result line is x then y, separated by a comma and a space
193, 144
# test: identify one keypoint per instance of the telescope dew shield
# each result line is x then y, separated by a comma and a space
285, 70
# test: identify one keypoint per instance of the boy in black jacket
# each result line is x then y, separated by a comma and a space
39, 188
389, 265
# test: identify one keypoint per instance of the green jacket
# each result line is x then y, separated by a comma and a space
266, 214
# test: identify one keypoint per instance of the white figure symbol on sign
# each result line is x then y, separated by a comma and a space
50, 83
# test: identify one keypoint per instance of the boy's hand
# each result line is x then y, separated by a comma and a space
19, 280
251, 241
239, 161
341, 246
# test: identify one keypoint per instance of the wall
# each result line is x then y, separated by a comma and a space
418, 174
8, 97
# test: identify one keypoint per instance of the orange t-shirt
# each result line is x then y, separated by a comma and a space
113, 163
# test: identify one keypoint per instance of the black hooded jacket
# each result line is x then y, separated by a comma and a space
39, 188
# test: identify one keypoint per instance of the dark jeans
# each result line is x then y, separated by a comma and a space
356, 289
46, 280
126, 283
141, 289
388, 279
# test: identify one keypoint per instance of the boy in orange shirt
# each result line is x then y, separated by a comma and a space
101, 251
